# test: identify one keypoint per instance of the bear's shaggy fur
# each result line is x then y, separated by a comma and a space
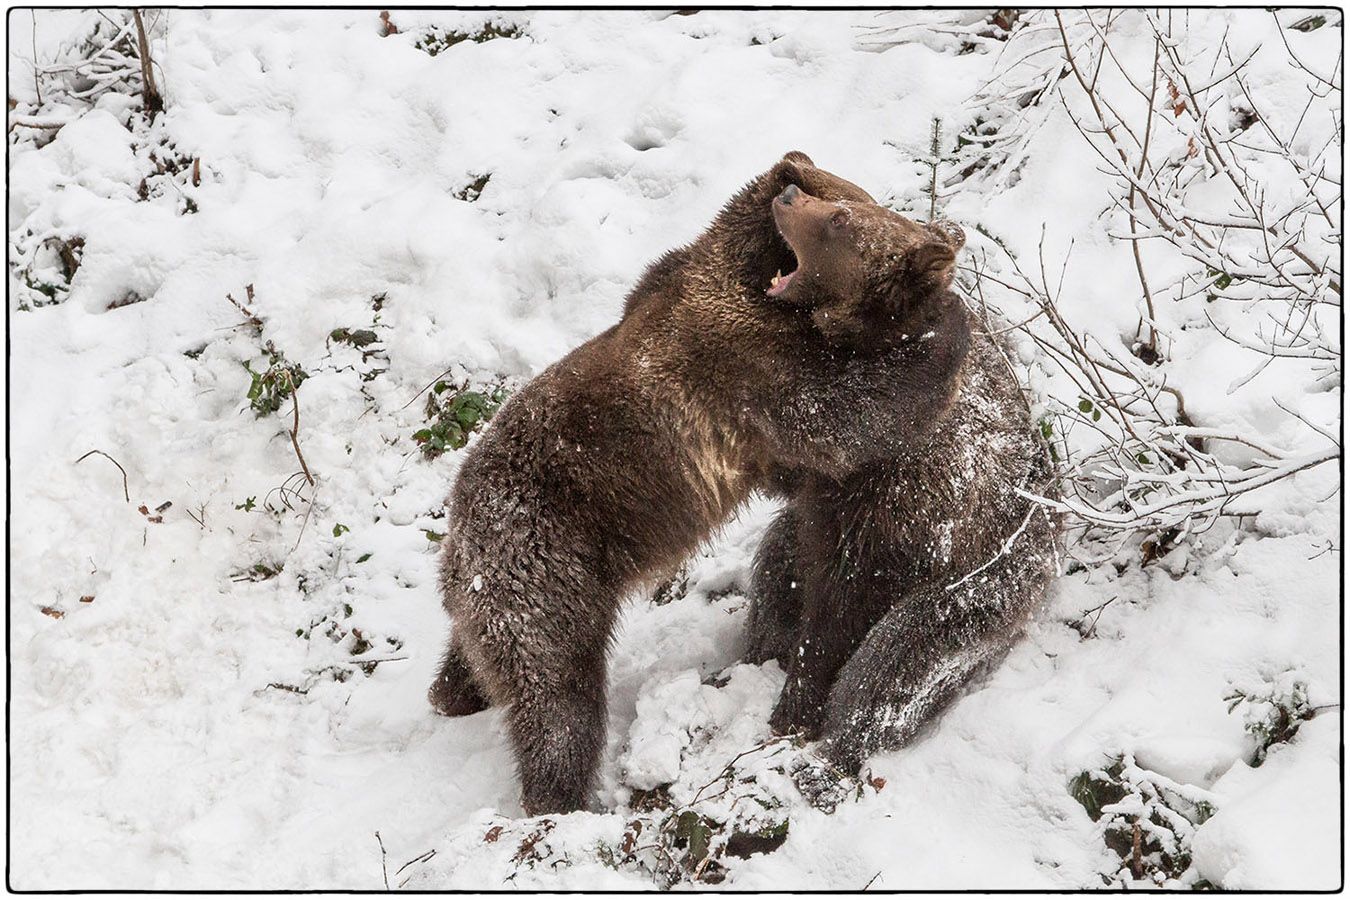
611, 466
883, 590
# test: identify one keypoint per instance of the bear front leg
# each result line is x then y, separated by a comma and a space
776, 595
833, 624
816, 660
455, 692
801, 705
847, 583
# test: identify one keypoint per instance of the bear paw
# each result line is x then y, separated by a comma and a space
455, 698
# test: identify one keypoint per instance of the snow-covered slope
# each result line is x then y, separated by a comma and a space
186, 708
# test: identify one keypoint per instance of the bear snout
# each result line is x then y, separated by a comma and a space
789, 195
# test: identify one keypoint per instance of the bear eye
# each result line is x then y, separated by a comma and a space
839, 218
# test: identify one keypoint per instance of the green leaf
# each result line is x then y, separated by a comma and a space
1312, 23
363, 557
433, 536
694, 830
339, 530
361, 337
451, 422
1085, 405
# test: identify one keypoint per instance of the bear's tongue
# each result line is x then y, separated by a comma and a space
780, 283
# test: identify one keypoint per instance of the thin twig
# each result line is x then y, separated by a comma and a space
295, 430
1098, 609
37, 80
39, 123
249, 316
416, 859
125, 492
1003, 551
309, 510
428, 387
384, 867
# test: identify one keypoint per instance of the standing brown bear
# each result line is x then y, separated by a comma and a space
611, 466
883, 589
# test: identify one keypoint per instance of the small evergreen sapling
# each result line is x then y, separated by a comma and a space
1274, 712
1146, 818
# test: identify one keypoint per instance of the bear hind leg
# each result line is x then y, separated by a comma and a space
929, 645
911, 665
557, 727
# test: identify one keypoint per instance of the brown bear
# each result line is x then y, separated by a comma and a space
882, 590
603, 473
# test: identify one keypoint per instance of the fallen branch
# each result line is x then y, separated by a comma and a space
35, 122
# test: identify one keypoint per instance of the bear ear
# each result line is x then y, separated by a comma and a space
948, 231
917, 278
931, 263
785, 172
798, 156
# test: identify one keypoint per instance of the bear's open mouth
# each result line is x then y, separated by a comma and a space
780, 283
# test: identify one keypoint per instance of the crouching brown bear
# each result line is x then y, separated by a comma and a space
882, 590
602, 474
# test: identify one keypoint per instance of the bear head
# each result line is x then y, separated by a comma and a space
750, 238
868, 275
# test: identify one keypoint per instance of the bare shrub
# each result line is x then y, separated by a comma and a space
1239, 204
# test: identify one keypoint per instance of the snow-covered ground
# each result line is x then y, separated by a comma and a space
186, 709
